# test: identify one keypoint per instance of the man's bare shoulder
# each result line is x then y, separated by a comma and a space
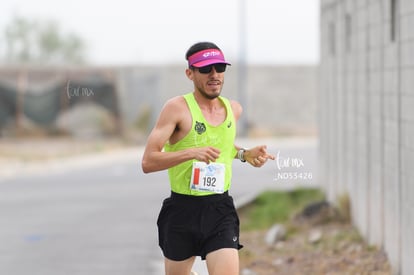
174, 104
237, 108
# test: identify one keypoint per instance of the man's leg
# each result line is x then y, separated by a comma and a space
224, 261
178, 267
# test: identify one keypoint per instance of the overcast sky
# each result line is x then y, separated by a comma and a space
126, 32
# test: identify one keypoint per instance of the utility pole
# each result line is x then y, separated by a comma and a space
21, 91
242, 72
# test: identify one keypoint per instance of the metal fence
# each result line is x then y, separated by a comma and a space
41, 95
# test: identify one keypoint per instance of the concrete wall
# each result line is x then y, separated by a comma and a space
280, 100
366, 118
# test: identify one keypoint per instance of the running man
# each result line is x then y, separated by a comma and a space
194, 139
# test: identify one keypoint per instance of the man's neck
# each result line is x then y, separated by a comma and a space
207, 104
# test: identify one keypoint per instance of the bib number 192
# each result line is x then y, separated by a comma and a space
208, 177
209, 181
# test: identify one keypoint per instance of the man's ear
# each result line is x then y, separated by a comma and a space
189, 73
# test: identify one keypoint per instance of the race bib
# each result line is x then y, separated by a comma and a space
208, 177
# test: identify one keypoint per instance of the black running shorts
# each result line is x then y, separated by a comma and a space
197, 225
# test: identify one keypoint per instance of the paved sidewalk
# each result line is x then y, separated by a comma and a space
18, 168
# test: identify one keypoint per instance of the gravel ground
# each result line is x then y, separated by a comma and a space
336, 248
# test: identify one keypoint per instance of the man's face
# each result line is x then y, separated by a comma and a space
209, 83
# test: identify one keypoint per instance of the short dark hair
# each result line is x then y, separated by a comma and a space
199, 47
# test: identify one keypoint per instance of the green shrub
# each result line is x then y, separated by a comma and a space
276, 207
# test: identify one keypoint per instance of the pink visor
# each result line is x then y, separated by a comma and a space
206, 57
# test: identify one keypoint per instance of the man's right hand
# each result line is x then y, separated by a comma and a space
205, 154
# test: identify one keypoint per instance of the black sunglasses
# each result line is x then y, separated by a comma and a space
219, 67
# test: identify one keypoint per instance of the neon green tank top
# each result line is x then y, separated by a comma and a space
203, 134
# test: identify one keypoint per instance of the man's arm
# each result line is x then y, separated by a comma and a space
256, 156
154, 159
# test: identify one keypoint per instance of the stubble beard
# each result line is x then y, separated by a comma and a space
208, 96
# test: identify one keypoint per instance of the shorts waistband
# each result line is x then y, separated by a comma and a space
209, 198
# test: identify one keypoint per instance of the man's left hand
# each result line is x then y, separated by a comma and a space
257, 156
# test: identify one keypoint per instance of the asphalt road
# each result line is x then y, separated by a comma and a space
99, 217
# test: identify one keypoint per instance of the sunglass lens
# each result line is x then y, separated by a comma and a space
205, 69
220, 68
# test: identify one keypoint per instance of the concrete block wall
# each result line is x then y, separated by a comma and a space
407, 131
366, 118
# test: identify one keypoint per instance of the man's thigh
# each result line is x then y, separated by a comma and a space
224, 261
178, 267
